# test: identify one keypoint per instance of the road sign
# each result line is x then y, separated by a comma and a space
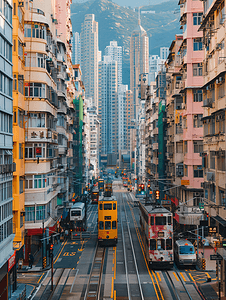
185, 182
216, 257
201, 205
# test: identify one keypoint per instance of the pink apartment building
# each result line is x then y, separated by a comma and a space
192, 54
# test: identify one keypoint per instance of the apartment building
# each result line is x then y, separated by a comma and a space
90, 56
107, 106
214, 101
115, 52
139, 64
18, 128
191, 55
76, 49
7, 254
49, 93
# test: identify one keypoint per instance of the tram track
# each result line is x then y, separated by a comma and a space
129, 253
94, 283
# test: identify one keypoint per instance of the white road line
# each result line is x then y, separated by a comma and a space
74, 280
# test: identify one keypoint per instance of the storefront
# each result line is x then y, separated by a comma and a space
4, 282
11, 274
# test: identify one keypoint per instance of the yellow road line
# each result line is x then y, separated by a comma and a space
114, 294
158, 276
115, 265
60, 252
176, 276
182, 276
112, 286
191, 277
141, 245
41, 277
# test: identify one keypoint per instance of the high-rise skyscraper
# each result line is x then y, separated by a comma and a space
115, 52
76, 49
164, 52
108, 84
122, 114
90, 56
139, 55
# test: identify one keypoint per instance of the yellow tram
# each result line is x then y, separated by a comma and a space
107, 221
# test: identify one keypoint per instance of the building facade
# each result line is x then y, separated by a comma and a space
107, 107
139, 55
7, 282
90, 56
76, 49
115, 52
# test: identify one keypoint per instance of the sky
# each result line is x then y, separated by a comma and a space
132, 3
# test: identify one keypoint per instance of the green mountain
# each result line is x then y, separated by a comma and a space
117, 23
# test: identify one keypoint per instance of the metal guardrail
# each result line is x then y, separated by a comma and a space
80, 235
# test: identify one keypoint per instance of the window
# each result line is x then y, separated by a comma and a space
221, 161
100, 206
160, 244
197, 18
198, 171
36, 120
185, 147
20, 118
35, 90
169, 244
114, 206
160, 221
152, 220
221, 90
20, 151
197, 95
21, 185
222, 197
198, 146
212, 159
197, 69
179, 147
185, 170
152, 244
75, 213
107, 225
20, 50
197, 44
113, 224
197, 121
36, 181
187, 250
108, 206
101, 224
40, 212
38, 31
169, 220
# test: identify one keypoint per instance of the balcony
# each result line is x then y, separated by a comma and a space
208, 102
8, 168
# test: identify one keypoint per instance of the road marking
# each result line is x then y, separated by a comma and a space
74, 281
182, 276
191, 277
60, 252
158, 276
114, 294
176, 276
112, 286
40, 278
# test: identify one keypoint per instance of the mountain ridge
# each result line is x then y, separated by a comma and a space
117, 23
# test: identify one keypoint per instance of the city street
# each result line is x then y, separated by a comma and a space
125, 272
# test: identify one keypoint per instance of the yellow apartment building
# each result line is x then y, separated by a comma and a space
18, 125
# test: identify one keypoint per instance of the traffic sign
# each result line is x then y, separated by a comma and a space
216, 257
201, 205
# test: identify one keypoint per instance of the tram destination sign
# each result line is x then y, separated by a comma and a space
216, 257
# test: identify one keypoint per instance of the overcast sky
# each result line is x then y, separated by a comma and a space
132, 3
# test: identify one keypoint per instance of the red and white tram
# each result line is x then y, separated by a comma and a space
157, 234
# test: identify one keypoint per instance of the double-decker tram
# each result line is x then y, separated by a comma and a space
107, 221
94, 196
101, 185
77, 217
108, 186
157, 234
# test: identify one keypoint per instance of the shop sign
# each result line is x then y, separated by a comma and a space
185, 182
11, 261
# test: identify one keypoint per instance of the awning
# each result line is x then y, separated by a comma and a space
8, 152
219, 220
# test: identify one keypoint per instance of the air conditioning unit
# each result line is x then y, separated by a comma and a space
49, 136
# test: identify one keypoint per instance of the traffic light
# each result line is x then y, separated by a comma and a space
203, 263
142, 187
157, 195
51, 251
148, 186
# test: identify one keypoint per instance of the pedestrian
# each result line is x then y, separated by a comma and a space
30, 260
66, 234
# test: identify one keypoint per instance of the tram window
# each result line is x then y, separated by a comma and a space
107, 225
108, 206
152, 220
152, 244
187, 250
169, 244
160, 220
101, 225
161, 244
100, 206
114, 206
75, 213
169, 220
113, 224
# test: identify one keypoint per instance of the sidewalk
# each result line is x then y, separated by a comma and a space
37, 265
